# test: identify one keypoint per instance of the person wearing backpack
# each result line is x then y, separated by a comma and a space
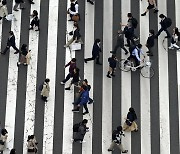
79, 131
174, 39
116, 137
165, 24
130, 124
45, 90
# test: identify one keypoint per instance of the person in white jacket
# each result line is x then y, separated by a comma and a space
174, 39
3, 9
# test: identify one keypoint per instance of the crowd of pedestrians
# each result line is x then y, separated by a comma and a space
82, 98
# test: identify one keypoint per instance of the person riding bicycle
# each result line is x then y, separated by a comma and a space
135, 54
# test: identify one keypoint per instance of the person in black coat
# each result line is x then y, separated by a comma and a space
10, 43
164, 26
35, 21
17, 3
112, 66
95, 52
150, 42
119, 43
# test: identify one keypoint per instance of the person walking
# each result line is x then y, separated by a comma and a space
82, 101
130, 124
90, 1
32, 144
119, 43
3, 9
13, 151
165, 24
174, 39
23, 53
116, 137
151, 5
79, 131
76, 78
76, 36
34, 21
73, 10
95, 52
45, 90
10, 43
3, 139
72, 66
112, 66
17, 3
150, 42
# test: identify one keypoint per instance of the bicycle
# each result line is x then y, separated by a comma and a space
145, 67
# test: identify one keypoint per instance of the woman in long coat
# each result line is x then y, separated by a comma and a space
45, 90
3, 9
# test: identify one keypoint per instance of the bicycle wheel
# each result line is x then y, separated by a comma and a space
147, 72
124, 67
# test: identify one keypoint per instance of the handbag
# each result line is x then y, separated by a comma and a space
75, 17
128, 122
76, 46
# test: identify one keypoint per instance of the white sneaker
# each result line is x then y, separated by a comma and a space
62, 83
82, 141
170, 47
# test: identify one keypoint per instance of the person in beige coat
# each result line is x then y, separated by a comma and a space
32, 144
3, 9
3, 138
45, 90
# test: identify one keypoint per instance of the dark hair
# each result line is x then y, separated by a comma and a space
4, 2
162, 16
176, 31
85, 80
35, 12
73, 59
4, 131
151, 31
85, 121
47, 80
11, 33
97, 41
119, 128
30, 137
131, 109
13, 151
139, 46
129, 14
84, 87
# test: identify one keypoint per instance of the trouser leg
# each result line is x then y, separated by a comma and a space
97, 60
67, 78
5, 50
125, 49
120, 146
167, 32
112, 145
115, 48
15, 48
15, 6
69, 42
159, 32
89, 59
85, 107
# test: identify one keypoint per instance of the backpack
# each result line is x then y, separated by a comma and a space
41, 87
134, 22
76, 127
168, 22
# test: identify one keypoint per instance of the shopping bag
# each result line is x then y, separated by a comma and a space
10, 17
76, 46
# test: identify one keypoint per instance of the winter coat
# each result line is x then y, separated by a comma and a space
3, 139
81, 132
84, 97
3, 10
11, 41
95, 51
32, 145
46, 89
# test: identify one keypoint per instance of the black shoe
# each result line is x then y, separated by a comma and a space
16, 52
147, 51
75, 110
31, 2
85, 61
108, 76
143, 14
125, 151
22, 8
67, 88
70, 20
155, 11
85, 113
167, 36
15, 9
150, 54
110, 150
90, 102
111, 51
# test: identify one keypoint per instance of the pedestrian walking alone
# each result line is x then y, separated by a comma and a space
165, 24
79, 131
45, 90
10, 43
73, 10
116, 140
112, 66
151, 5
32, 144
174, 39
34, 21
3, 139
3, 9
72, 66
95, 52
23, 53
130, 124
150, 43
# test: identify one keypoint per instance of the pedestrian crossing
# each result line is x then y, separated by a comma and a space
155, 100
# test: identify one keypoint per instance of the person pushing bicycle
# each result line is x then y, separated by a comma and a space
135, 52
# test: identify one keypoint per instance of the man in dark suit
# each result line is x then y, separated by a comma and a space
150, 42
10, 43
164, 26
119, 43
95, 52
